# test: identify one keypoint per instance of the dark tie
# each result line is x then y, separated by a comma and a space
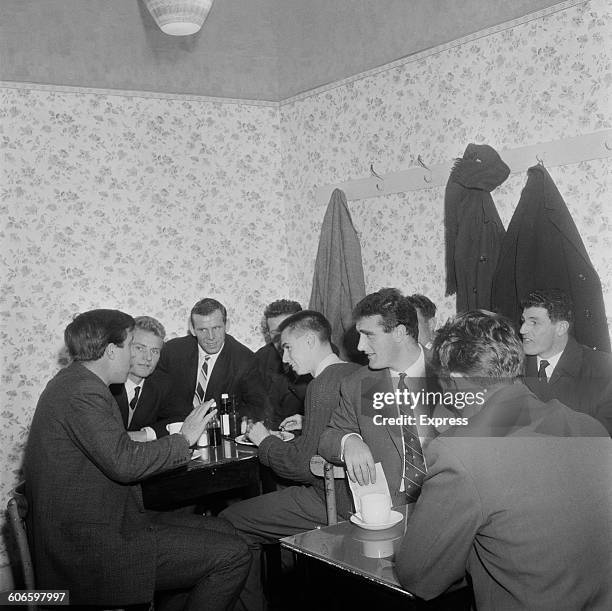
542, 371
134, 400
200, 390
414, 467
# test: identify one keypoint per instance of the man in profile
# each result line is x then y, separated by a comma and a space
146, 401
359, 433
306, 345
209, 362
557, 366
286, 390
89, 530
519, 496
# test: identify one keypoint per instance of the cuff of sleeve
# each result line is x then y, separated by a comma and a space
264, 448
344, 441
149, 432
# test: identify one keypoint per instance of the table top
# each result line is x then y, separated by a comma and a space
229, 451
366, 553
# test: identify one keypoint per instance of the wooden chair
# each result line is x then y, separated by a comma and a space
17, 511
321, 468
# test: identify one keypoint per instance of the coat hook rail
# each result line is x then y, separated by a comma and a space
566, 151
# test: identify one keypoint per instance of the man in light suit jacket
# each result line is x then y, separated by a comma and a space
210, 362
557, 366
519, 496
146, 400
88, 528
360, 433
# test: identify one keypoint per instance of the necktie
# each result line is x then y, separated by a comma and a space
134, 400
414, 463
200, 390
542, 371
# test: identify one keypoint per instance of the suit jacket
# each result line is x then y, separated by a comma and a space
521, 499
581, 380
235, 372
285, 390
86, 522
291, 460
543, 249
355, 414
156, 404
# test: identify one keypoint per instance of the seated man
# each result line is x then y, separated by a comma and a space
209, 362
426, 314
557, 366
90, 533
285, 388
519, 495
360, 433
146, 408
305, 340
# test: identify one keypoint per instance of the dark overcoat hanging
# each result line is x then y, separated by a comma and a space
543, 249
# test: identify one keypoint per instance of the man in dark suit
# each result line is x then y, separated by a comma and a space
360, 433
89, 531
519, 496
305, 341
209, 362
557, 366
146, 401
284, 387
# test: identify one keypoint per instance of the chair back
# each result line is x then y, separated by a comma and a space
321, 468
17, 511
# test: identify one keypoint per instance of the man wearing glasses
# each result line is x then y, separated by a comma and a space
145, 400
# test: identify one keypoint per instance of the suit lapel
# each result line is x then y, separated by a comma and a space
569, 364
145, 400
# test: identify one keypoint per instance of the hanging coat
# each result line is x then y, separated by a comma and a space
473, 229
542, 250
338, 282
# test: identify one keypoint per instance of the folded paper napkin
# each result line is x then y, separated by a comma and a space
380, 486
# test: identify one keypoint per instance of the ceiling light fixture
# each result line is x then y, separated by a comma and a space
179, 17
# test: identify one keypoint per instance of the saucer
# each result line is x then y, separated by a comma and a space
283, 435
242, 440
394, 519
196, 454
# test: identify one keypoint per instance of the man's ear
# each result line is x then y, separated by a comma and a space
562, 327
110, 351
227, 325
399, 333
432, 323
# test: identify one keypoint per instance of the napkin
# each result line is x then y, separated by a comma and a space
380, 486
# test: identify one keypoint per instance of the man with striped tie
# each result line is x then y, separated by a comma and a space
361, 432
209, 362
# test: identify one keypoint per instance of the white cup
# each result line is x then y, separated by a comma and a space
375, 508
174, 427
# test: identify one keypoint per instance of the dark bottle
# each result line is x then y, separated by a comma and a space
214, 431
234, 419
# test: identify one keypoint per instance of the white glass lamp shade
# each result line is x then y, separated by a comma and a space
179, 17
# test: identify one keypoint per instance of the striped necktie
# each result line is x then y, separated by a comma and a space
414, 462
542, 377
133, 404
200, 390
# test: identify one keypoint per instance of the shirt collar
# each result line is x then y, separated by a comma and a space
552, 361
331, 359
130, 386
202, 354
416, 370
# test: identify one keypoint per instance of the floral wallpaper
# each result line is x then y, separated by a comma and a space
148, 204
543, 80
139, 204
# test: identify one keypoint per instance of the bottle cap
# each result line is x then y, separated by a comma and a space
225, 396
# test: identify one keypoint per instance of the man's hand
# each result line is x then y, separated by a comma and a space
138, 435
359, 462
196, 421
292, 423
257, 433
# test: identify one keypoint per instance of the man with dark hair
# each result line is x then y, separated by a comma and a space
146, 409
557, 366
284, 388
426, 314
209, 362
305, 341
518, 493
360, 432
89, 530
